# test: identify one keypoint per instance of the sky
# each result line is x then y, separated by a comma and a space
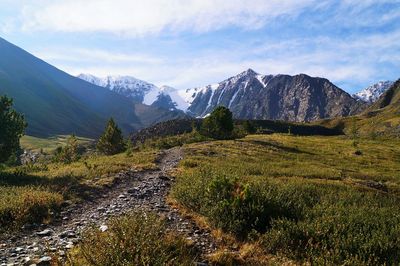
191, 43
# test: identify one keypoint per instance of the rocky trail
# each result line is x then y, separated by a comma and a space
145, 190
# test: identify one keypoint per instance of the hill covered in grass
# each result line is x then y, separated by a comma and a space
380, 119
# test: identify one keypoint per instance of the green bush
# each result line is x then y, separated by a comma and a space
134, 239
239, 207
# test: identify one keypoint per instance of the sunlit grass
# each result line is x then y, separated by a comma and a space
309, 198
48, 145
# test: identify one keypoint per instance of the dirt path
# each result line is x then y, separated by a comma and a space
133, 191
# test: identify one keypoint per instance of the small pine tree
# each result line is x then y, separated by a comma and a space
129, 148
71, 152
354, 132
12, 126
219, 124
112, 141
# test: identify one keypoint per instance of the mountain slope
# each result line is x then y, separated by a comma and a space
54, 102
373, 92
390, 99
282, 97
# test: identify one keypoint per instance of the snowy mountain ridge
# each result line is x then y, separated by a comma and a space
140, 91
373, 92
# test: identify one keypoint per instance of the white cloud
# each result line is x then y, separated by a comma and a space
142, 17
80, 55
345, 59
347, 62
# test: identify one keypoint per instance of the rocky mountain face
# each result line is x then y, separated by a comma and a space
372, 93
250, 95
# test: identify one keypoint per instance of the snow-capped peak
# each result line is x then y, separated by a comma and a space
373, 92
138, 90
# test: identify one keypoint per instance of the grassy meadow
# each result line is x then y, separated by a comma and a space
50, 144
314, 199
30, 193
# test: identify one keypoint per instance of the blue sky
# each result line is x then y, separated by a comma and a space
189, 43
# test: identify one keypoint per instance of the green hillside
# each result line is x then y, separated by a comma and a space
56, 103
381, 118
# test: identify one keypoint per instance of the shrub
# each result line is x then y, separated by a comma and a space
69, 153
249, 127
219, 124
134, 239
112, 141
334, 233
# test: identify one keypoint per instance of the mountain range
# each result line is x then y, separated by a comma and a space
298, 98
55, 102
249, 95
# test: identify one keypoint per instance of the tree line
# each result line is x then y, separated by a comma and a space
218, 125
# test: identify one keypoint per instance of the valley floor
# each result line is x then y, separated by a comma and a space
261, 200
131, 191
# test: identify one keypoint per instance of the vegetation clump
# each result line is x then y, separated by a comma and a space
112, 141
20, 205
69, 153
133, 239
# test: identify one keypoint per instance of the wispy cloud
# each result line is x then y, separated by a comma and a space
95, 56
135, 18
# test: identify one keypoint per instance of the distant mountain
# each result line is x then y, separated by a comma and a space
390, 100
373, 92
250, 95
140, 91
55, 102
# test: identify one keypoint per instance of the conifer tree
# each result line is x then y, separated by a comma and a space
12, 126
219, 124
112, 141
